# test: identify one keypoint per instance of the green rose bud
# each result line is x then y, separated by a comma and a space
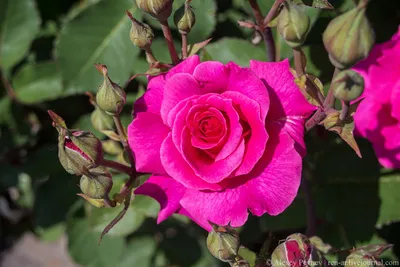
97, 183
293, 24
160, 9
110, 96
141, 34
100, 120
78, 151
223, 243
349, 38
348, 85
184, 18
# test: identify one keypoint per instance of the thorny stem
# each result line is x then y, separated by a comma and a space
184, 46
264, 254
150, 56
264, 30
168, 38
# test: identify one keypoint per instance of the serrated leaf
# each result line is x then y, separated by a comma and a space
35, 83
19, 24
89, 38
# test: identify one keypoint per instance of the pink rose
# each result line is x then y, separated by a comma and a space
378, 116
220, 140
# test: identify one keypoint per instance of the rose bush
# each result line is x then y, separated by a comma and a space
220, 140
378, 116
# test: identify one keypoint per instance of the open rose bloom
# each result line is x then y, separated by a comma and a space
220, 140
378, 116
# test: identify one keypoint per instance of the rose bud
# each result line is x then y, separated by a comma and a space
349, 38
185, 18
223, 242
100, 120
160, 9
348, 85
141, 34
296, 251
293, 24
110, 96
97, 183
78, 151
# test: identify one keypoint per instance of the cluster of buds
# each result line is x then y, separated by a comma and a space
81, 154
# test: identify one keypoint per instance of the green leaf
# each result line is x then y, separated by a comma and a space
83, 248
99, 34
139, 252
389, 188
140, 208
19, 24
35, 83
227, 49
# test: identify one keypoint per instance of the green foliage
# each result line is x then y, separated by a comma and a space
47, 55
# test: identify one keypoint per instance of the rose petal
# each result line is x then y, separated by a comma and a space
396, 101
244, 81
270, 188
152, 98
166, 191
288, 106
186, 66
256, 145
212, 75
178, 88
145, 136
178, 168
211, 171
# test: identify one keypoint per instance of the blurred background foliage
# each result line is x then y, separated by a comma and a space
47, 54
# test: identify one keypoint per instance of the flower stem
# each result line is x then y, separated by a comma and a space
310, 205
150, 56
264, 30
124, 139
272, 12
117, 166
345, 110
184, 46
170, 42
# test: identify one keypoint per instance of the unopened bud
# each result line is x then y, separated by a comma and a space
348, 85
141, 34
97, 183
100, 120
223, 243
185, 18
78, 151
110, 96
160, 9
293, 24
296, 251
349, 38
